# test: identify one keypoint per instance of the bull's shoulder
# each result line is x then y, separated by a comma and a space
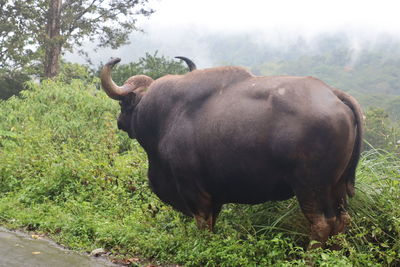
198, 85
209, 77
214, 78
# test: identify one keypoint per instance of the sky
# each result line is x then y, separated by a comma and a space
177, 25
288, 15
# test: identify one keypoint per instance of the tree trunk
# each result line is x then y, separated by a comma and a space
53, 42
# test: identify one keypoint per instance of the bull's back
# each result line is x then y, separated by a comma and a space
255, 142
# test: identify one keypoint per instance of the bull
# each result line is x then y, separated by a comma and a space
222, 135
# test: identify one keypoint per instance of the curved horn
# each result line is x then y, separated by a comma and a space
190, 63
112, 90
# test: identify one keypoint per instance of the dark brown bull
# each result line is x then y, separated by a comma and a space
222, 135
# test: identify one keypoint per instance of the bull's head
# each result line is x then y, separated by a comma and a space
128, 94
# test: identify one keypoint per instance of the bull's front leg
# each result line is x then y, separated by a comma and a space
207, 218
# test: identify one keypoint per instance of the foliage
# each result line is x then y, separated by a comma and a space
380, 132
24, 30
11, 83
17, 36
73, 71
389, 103
151, 65
68, 172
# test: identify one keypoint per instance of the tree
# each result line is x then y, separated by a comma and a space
35, 33
53, 39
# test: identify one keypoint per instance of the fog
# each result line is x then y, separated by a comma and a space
196, 28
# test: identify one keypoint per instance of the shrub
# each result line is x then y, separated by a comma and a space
380, 131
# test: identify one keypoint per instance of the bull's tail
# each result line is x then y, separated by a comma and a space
350, 172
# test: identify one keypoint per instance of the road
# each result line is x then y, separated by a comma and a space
18, 250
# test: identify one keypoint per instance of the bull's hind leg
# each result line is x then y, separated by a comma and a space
317, 208
325, 210
340, 205
342, 221
342, 216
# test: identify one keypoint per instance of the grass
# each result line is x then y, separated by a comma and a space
68, 172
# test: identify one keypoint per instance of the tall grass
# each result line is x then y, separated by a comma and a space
65, 170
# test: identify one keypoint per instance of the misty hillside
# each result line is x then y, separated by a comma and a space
356, 64
339, 61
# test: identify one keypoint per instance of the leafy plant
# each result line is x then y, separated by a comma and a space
11, 83
380, 132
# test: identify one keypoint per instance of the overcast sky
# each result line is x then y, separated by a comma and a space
305, 15
278, 21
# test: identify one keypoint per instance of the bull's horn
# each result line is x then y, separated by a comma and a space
112, 90
190, 63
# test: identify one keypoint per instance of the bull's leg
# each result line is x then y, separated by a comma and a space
207, 217
321, 229
216, 211
202, 212
317, 208
200, 203
197, 199
203, 221
342, 216
325, 210
342, 220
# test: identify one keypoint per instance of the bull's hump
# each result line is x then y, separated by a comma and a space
200, 85
223, 70
226, 75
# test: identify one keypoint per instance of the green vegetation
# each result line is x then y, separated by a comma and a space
381, 132
35, 34
11, 83
68, 172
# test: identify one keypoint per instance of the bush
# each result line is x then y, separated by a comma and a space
11, 83
380, 131
68, 172
73, 71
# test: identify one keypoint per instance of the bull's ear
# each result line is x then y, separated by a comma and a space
132, 99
